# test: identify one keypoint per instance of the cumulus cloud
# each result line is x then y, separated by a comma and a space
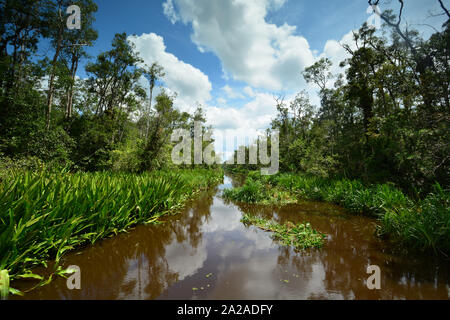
238, 126
250, 119
249, 91
191, 84
231, 93
262, 54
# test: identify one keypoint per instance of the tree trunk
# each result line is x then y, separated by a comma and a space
69, 99
52, 77
152, 84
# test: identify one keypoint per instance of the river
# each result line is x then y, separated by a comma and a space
205, 252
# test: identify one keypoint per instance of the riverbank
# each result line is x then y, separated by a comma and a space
45, 214
422, 225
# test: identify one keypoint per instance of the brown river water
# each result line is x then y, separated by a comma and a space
205, 252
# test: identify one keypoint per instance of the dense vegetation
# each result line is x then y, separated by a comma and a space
379, 142
44, 214
105, 137
422, 225
385, 120
105, 122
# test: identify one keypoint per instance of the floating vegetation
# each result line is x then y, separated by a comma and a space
300, 236
45, 214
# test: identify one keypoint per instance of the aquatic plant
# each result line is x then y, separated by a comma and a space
300, 236
45, 214
4, 284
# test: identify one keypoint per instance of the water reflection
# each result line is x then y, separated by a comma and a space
207, 253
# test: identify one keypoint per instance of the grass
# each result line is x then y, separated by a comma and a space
301, 236
45, 214
422, 225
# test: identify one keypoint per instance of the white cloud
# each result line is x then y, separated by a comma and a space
191, 84
169, 11
263, 55
245, 123
255, 116
231, 93
336, 53
249, 91
221, 101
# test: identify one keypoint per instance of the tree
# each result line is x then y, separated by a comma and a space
20, 26
166, 118
53, 28
74, 51
319, 73
114, 75
153, 74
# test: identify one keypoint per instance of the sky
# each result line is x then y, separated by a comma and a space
234, 56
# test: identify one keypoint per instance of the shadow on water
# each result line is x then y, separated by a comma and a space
207, 253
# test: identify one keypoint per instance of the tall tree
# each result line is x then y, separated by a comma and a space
73, 51
114, 75
54, 27
152, 74
20, 28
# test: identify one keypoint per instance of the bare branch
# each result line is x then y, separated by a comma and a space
396, 26
444, 8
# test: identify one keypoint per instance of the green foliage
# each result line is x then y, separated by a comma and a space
252, 192
4, 284
301, 236
385, 120
44, 214
126, 158
95, 139
423, 225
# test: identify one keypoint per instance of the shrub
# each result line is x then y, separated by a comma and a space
425, 225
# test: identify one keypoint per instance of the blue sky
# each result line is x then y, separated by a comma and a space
234, 56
